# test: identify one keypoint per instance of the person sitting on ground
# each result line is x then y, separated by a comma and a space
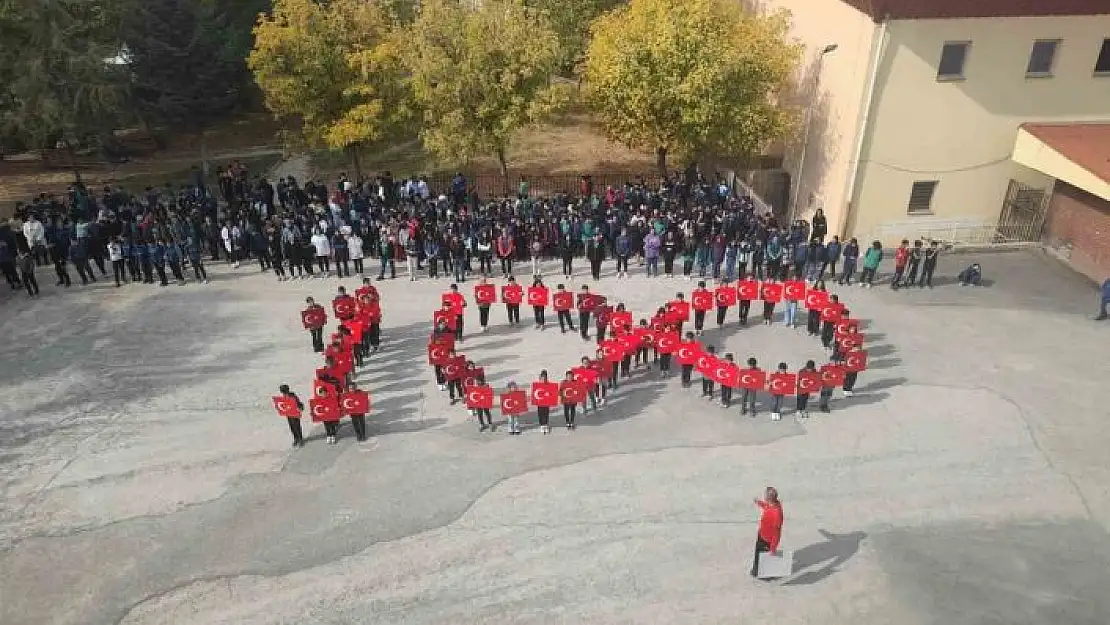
973, 275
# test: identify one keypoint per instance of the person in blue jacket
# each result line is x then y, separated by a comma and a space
1105, 300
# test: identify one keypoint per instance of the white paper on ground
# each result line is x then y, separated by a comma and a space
777, 565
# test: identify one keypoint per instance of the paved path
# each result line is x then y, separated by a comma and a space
146, 479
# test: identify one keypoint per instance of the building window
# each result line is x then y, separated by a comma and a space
952, 59
1042, 57
921, 197
1102, 65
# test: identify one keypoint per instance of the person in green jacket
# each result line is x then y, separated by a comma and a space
871, 260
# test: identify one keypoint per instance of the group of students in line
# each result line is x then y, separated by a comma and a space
335, 394
623, 347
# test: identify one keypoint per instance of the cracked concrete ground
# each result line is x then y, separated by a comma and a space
146, 480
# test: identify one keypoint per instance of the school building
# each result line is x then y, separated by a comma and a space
971, 121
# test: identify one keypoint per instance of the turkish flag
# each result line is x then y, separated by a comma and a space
485, 294
687, 352
479, 396
753, 379
287, 406
855, 362
514, 402
573, 392
471, 375
771, 292
621, 318
612, 351
783, 384
538, 296
315, 317
832, 375
629, 343
324, 409
702, 300
564, 300
667, 342
725, 295
344, 306
585, 375
809, 382
832, 312
587, 302
705, 363
725, 373
356, 327
512, 294
816, 300
438, 352
849, 342
455, 301
847, 326
545, 394
747, 290
678, 311
453, 368
355, 403
446, 317
324, 389
794, 290
645, 335
344, 362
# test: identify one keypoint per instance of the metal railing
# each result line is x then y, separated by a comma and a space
956, 232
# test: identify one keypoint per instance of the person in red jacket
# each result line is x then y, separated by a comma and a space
770, 526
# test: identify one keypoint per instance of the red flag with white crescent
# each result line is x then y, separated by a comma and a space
753, 379
479, 396
545, 394
514, 402
856, 361
809, 382
355, 403
324, 409
783, 384
287, 407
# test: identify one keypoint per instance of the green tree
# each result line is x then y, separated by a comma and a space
480, 73
332, 73
571, 20
691, 77
184, 75
58, 86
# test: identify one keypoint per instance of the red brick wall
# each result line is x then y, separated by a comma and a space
1080, 221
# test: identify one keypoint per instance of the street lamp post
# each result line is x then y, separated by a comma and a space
805, 133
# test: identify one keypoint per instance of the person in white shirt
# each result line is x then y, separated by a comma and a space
354, 248
35, 234
422, 189
323, 252
231, 236
115, 254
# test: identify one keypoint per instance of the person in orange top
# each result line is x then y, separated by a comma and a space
770, 526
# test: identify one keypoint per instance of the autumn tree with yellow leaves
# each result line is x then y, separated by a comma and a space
332, 73
691, 78
480, 71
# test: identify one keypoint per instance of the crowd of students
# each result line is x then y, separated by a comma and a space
624, 347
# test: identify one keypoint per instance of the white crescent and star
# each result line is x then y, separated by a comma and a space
319, 410
747, 378
541, 394
722, 373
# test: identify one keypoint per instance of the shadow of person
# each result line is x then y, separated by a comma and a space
830, 554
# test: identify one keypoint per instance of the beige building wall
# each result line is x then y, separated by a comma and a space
962, 133
837, 98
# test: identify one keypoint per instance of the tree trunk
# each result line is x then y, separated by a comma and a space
502, 164
356, 161
73, 162
661, 160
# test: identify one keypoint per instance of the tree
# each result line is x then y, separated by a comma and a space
571, 19
481, 73
58, 87
183, 73
691, 77
332, 74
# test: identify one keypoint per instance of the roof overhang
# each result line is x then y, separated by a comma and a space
1049, 159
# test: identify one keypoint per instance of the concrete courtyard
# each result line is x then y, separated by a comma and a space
147, 480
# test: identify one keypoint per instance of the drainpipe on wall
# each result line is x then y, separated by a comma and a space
864, 125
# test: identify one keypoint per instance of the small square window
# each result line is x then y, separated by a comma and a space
921, 197
952, 59
1042, 57
1102, 65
